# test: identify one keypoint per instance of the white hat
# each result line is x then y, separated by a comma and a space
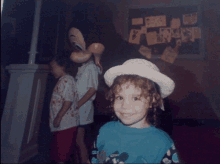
143, 68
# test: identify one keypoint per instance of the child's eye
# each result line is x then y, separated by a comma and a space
136, 98
118, 98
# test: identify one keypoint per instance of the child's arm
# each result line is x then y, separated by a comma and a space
86, 97
68, 92
171, 156
92, 84
61, 113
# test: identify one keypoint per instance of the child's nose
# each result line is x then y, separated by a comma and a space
126, 104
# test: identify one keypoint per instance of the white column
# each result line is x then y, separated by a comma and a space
22, 112
24, 104
33, 51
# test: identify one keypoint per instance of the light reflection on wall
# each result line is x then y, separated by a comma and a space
2, 1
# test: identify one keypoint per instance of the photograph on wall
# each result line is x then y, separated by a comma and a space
190, 19
135, 36
155, 21
137, 21
145, 51
169, 55
163, 26
175, 33
166, 34
187, 35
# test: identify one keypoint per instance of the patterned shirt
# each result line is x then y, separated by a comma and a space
65, 90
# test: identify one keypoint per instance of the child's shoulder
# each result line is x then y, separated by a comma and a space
91, 65
68, 77
161, 135
108, 126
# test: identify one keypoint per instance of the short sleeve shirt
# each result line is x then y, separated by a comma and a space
87, 77
65, 90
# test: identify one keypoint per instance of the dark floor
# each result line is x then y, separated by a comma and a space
45, 138
197, 144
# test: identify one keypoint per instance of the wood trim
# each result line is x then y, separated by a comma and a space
28, 153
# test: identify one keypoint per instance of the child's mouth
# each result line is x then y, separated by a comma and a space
126, 114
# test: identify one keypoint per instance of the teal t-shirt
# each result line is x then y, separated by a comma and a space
118, 143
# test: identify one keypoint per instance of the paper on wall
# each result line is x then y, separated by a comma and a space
137, 21
197, 32
143, 29
145, 51
175, 23
178, 42
175, 32
169, 55
187, 34
155, 38
166, 34
151, 38
155, 21
178, 45
190, 19
160, 38
134, 37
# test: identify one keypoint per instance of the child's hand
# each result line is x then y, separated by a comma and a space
88, 162
56, 121
98, 64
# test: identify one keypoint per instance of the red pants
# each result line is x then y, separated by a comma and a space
63, 144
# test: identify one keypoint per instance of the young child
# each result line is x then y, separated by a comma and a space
64, 118
87, 82
136, 91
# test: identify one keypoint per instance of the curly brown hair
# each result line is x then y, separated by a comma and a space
148, 89
62, 59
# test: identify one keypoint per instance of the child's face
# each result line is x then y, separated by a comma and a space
57, 70
130, 108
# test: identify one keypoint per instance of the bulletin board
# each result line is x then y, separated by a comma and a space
163, 31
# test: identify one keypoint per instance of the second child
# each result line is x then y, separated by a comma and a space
64, 117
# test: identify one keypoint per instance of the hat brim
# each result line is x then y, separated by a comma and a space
166, 84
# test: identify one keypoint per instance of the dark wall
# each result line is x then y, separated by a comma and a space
51, 31
15, 38
15, 46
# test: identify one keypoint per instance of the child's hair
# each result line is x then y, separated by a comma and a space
148, 89
63, 60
